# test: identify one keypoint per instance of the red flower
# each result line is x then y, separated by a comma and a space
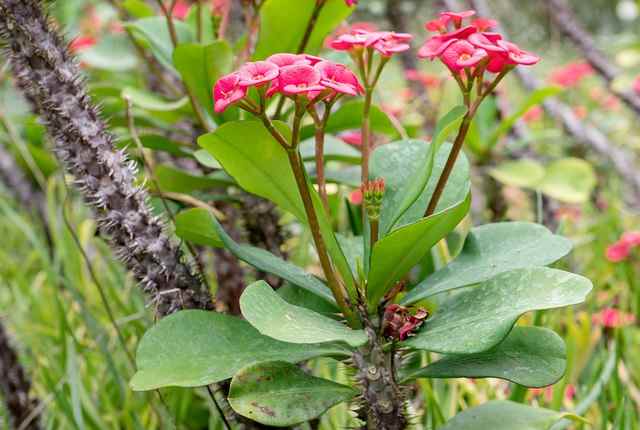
439, 24
257, 73
571, 74
631, 238
339, 78
228, 91
282, 60
356, 197
351, 2
425, 79
534, 114
388, 42
349, 41
636, 85
434, 47
181, 9
618, 252
457, 17
82, 43
612, 318
462, 54
484, 24
299, 79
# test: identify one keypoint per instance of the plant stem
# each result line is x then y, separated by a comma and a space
366, 134
374, 224
319, 156
199, 23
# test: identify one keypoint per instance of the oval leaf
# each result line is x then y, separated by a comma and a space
280, 394
395, 255
194, 225
492, 249
529, 356
481, 316
274, 317
520, 173
196, 348
569, 180
504, 415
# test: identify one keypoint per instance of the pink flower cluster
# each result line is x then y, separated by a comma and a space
386, 43
612, 318
460, 47
287, 74
620, 250
571, 74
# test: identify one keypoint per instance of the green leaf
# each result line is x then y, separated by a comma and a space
158, 143
205, 158
251, 155
153, 31
175, 180
529, 356
284, 22
504, 415
479, 317
396, 254
195, 348
150, 101
535, 98
492, 249
276, 318
349, 116
194, 225
522, 173
201, 66
334, 150
113, 53
353, 249
267, 262
569, 180
138, 8
277, 393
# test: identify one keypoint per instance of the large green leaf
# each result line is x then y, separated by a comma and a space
149, 101
349, 116
267, 262
504, 415
274, 317
194, 348
113, 53
154, 32
284, 22
194, 225
492, 249
201, 66
479, 317
258, 163
175, 180
569, 180
400, 163
278, 393
529, 356
395, 255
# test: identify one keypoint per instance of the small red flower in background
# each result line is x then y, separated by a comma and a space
612, 318
571, 74
82, 43
429, 81
620, 250
580, 111
356, 197
386, 43
636, 85
181, 9
351, 2
534, 114
352, 137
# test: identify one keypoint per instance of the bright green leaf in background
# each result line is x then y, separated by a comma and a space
395, 255
274, 317
505, 415
529, 356
491, 249
284, 22
523, 173
479, 317
113, 52
278, 393
195, 348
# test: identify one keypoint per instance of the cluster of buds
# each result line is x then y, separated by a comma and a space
472, 48
386, 43
372, 194
292, 75
621, 249
398, 322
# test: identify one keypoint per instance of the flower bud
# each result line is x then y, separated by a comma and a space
372, 193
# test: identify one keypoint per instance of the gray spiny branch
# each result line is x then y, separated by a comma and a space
567, 22
50, 78
15, 387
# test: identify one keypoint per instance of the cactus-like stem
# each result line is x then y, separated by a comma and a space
15, 387
51, 80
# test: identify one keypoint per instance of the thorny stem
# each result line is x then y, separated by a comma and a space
297, 167
460, 137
